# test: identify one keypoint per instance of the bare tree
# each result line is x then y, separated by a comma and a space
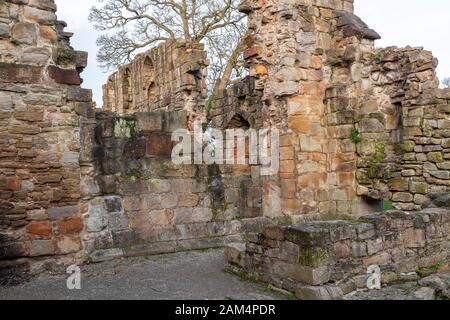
131, 26
446, 82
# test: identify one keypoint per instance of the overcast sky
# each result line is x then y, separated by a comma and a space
399, 22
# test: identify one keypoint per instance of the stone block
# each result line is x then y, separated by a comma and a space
286, 88
274, 233
13, 250
342, 250
418, 187
42, 248
169, 201
436, 157
40, 229
202, 215
307, 235
371, 126
365, 231
188, 200
63, 212
374, 246
414, 238
134, 148
67, 245
118, 221
235, 254
36, 56
359, 249
41, 16
159, 144
380, 259
123, 237
17, 73
426, 294
64, 76
106, 255
71, 225
319, 293
149, 121
403, 197
166, 217
24, 33
85, 109
75, 93
96, 220
4, 30
113, 204
289, 252
47, 5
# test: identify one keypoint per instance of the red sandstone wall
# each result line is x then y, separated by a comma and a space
41, 106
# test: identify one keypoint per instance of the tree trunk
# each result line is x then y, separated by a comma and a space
223, 82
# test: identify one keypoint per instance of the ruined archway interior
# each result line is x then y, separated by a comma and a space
79, 184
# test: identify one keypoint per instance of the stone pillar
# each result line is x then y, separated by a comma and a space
291, 45
41, 106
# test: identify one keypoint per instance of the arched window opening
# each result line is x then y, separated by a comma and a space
151, 93
127, 90
238, 122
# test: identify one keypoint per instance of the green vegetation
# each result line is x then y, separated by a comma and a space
378, 56
209, 106
312, 257
375, 161
388, 205
424, 272
355, 136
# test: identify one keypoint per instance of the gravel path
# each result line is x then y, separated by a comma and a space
180, 276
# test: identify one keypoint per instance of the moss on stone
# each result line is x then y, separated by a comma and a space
312, 257
355, 136
376, 160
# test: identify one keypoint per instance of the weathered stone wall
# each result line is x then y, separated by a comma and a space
170, 77
41, 106
326, 260
361, 126
292, 46
358, 125
142, 203
403, 123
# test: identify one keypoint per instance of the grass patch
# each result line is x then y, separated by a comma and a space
424, 272
355, 136
388, 205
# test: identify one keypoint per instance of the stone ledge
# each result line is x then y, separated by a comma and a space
328, 259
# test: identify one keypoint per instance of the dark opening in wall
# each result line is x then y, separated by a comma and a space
238, 122
127, 90
149, 79
151, 93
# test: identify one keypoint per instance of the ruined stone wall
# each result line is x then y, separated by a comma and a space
326, 260
358, 125
403, 123
291, 51
239, 108
41, 106
141, 203
170, 77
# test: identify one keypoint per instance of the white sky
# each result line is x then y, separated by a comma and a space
399, 22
